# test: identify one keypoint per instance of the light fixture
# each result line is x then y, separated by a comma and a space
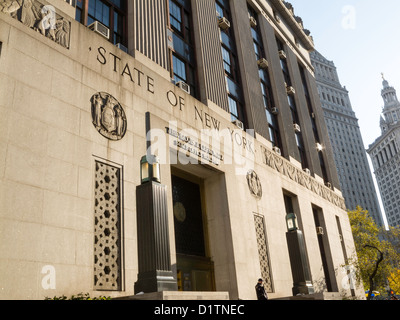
291, 222
149, 169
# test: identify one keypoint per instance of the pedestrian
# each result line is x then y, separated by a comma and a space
260, 290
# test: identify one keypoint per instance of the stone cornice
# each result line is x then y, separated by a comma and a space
384, 135
294, 22
287, 169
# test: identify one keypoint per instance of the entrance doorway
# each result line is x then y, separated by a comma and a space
195, 271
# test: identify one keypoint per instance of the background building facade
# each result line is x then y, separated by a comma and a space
351, 159
385, 156
225, 95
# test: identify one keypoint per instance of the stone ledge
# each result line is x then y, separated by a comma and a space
178, 295
326, 296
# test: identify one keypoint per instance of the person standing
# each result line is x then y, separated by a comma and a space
260, 290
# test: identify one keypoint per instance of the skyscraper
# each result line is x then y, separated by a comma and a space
351, 159
385, 154
165, 146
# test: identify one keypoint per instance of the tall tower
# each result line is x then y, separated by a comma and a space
344, 132
385, 154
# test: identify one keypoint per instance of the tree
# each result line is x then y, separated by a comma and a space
375, 259
394, 281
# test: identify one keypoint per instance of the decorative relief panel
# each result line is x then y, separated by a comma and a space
263, 252
108, 116
41, 18
284, 167
107, 229
254, 184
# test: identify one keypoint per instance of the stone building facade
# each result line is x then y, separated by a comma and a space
385, 154
355, 176
224, 96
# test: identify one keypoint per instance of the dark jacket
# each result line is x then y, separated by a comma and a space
261, 293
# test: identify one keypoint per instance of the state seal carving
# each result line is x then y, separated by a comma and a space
108, 116
254, 184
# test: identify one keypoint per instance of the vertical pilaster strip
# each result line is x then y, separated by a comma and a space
151, 30
209, 59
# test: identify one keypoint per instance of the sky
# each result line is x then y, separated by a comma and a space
362, 38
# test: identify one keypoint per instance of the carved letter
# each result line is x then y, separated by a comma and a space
138, 77
197, 113
150, 84
172, 99
102, 52
115, 61
127, 71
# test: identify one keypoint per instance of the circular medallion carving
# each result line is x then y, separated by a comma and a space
254, 184
108, 116
179, 212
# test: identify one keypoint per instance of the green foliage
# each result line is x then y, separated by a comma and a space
369, 243
79, 296
394, 281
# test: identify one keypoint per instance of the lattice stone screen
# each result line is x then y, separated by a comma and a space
263, 252
107, 229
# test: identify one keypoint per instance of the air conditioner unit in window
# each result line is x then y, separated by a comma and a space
320, 231
282, 54
262, 63
224, 23
184, 86
275, 111
253, 22
122, 47
307, 171
296, 127
290, 90
239, 124
277, 150
100, 29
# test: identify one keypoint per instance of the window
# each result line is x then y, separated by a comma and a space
313, 123
220, 7
111, 13
183, 61
394, 147
175, 16
325, 251
265, 82
179, 69
231, 68
288, 204
293, 108
235, 108
283, 62
99, 11
118, 28
226, 56
79, 11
